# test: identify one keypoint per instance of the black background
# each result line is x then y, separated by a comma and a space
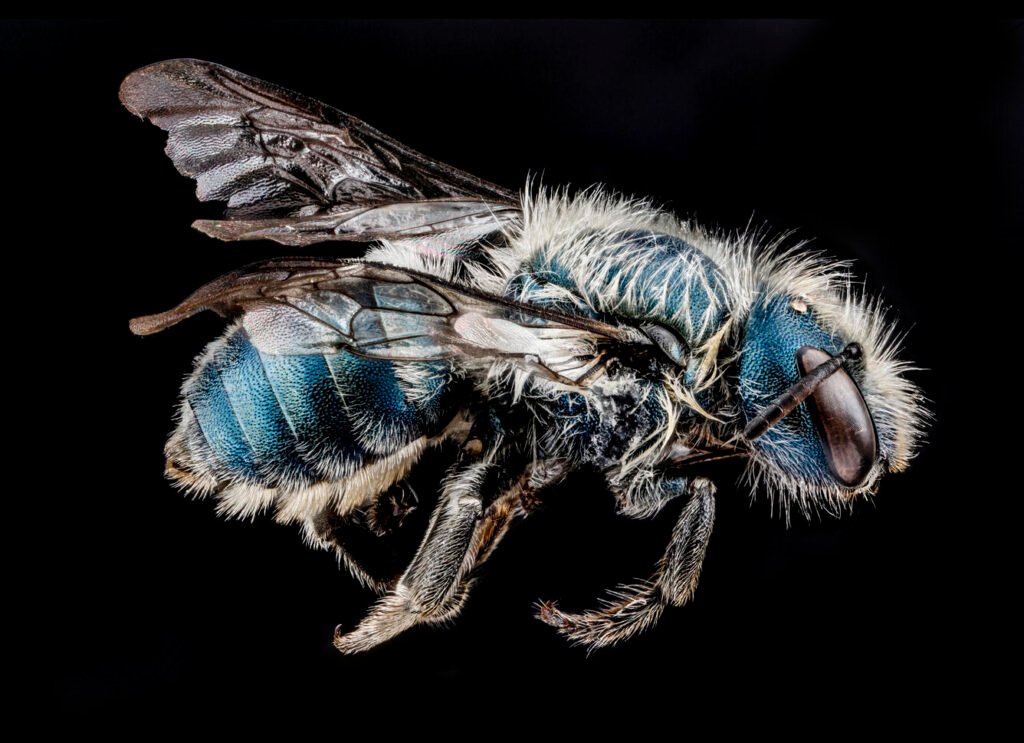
897, 146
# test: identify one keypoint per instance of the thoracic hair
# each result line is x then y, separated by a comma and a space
582, 230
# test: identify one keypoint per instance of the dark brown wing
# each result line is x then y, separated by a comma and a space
297, 171
313, 306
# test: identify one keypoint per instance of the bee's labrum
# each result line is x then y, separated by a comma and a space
803, 388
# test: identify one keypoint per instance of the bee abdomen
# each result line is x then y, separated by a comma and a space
251, 420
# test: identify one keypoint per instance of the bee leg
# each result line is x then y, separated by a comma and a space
462, 535
331, 530
434, 573
637, 607
495, 523
518, 501
391, 508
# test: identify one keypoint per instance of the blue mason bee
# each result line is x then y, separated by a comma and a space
528, 336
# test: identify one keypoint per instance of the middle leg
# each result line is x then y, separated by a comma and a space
634, 608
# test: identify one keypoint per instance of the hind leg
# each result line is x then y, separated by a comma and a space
333, 530
392, 508
462, 535
495, 523
374, 535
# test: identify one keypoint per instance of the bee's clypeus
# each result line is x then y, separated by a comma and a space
528, 336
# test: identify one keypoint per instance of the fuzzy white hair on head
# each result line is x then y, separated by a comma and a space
763, 273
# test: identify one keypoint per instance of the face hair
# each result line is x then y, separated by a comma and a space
803, 388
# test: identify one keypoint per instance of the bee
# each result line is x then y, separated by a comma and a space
528, 336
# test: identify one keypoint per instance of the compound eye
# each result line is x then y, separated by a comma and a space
843, 420
668, 341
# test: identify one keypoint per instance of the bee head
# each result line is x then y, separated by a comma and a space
831, 437
821, 437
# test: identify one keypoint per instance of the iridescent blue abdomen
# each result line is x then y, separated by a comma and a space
274, 420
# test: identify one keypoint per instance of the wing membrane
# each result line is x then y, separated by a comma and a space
298, 171
296, 307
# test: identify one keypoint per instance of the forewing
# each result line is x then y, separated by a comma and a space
298, 171
296, 307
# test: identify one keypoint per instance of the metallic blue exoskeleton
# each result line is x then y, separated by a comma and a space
272, 420
522, 337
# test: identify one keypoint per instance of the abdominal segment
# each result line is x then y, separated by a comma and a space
262, 429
